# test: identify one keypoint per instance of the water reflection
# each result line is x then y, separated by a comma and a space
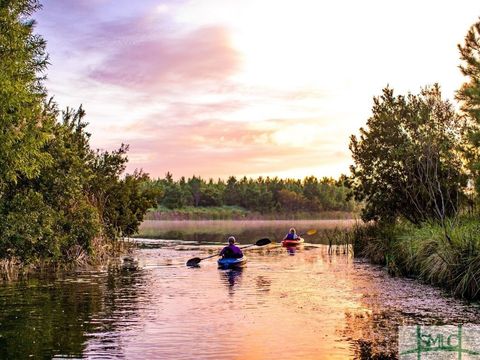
48, 317
231, 277
34, 323
245, 231
373, 334
314, 305
291, 250
263, 283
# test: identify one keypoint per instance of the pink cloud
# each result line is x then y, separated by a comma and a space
178, 111
160, 66
219, 148
201, 57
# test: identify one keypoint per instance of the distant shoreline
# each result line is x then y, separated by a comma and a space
235, 213
215, 230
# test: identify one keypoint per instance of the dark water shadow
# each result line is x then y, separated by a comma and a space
232, 278
51, 317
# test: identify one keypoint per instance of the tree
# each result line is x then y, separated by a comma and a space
26, 220
469, 94
78, 197
211, 195
24, 126
232, 195
196, 184
126, 205
311, 191
176, 194
290, 201
57, 195
407, 160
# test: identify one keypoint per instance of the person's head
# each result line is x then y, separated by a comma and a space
231, 240
292, 231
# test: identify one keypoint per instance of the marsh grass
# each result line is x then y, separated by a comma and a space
340, 240
449, 258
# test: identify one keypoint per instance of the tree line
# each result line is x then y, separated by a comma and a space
59, 198
262, 195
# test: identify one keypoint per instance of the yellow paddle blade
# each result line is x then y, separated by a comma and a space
311, 232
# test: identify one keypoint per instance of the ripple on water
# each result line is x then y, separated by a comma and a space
309, 305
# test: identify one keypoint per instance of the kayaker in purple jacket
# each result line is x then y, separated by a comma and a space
292, 235
231, 251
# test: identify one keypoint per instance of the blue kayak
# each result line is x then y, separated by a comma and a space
226, 263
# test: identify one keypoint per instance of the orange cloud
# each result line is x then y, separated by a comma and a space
219, 148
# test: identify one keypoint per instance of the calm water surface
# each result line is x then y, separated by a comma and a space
217, 230
303, 304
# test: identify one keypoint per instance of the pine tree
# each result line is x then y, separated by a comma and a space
23, 122
469, 93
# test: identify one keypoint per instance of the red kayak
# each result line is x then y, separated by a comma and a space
292, 242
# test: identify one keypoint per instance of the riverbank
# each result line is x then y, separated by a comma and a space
448, 257
239, 213
77, 259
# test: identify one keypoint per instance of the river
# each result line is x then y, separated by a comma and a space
303, 303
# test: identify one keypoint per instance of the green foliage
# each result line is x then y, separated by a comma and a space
261, 195
375, 241
126, 204
210, 195
76, 198
424, 252
24, 128
27, 226
46, 215
57, 195
408, 160
469, 95
290, 200
175, 194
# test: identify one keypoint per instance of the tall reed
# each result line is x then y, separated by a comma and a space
449, 258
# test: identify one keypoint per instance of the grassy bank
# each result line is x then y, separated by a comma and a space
237, 213
448, 259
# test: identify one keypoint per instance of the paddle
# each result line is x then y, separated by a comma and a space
195, 261
309, 232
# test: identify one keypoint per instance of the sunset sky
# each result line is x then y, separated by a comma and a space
245, 87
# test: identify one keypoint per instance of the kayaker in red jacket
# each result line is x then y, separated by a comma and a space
231, 251
292, 235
